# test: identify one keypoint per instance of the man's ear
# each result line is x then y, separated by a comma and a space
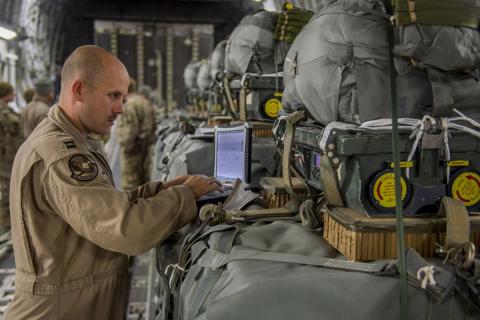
78, 90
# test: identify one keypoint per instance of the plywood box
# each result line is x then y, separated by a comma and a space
363, 238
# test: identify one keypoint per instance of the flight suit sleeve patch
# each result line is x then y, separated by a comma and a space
82, 167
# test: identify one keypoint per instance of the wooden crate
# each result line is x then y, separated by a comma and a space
261, 129
363, 238
274, 194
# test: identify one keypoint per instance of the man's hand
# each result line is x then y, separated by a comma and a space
201, 185
175, 182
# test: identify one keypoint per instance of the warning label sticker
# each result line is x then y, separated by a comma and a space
466, 188
384, 190
272, 107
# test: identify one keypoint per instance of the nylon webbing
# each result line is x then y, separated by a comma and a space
458, 224
288, 147
214, 260
243, 104
331, 187
231, 104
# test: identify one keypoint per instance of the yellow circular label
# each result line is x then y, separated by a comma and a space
272, 106
384, 190
466, 188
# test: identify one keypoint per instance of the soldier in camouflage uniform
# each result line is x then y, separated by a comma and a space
37, 109
10, 140
136, 136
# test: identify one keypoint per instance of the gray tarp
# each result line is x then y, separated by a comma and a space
267, 290
250, 47
338, 66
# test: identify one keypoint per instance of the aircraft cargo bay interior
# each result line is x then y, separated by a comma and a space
239, 159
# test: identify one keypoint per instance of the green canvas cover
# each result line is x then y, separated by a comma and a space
241, 272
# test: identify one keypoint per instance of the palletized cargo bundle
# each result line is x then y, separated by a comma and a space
254, 56
338, 71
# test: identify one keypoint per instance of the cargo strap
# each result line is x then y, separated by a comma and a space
458, 224
213, 259
331, 186
223, 236
458, 248
243, 104
438, 12
230, 103
287, 168
441, 93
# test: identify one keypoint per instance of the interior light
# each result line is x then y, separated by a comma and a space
7, 33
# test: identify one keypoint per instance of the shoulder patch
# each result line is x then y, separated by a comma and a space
82, 167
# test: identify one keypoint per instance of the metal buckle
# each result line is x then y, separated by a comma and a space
462, 256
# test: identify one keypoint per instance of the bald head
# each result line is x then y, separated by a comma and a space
94, 87
88, 63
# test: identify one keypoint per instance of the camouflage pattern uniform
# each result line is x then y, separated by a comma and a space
136, 136
10, 140
33, 113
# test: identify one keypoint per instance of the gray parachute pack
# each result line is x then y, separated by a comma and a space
204, 77
190, 74
338, 66
218, 60
250, 48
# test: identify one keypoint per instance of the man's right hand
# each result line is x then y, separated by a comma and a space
201, 185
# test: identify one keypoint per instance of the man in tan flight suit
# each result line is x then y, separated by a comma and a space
37, 109
72, 231
136, 137
10, 140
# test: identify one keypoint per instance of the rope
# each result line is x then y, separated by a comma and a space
418, 126
307, 214
425, 275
